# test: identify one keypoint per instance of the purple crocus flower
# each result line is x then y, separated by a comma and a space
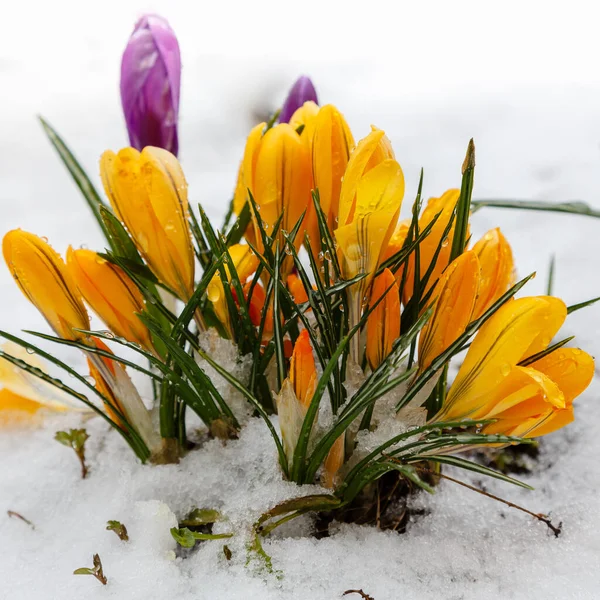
302, 91
150, 78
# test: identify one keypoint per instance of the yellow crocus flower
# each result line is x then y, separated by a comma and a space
383, 324
111, 294
43, 277
148, 193
245, 263
454, 298
379, 195
46, 281
527, 400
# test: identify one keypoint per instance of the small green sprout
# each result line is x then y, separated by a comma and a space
119, 529
96, 571
75, 439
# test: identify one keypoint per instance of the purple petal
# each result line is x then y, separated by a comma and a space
150, 84
302, 91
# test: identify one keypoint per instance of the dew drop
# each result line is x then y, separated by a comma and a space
30, 350
505, 369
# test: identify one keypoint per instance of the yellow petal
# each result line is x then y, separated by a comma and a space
43, 277
305, 115
357, 165
303, 373
244, 261
111, 294
454, 298
240, 195
332, 144
383, 151
248, 166
554, 318
501, 343
282, 181
360, 245
381, 188
524, 400
16, 409
383, 324
148, 192
557, 419
497, 269
572, 370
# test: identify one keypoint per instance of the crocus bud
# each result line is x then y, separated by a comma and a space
383, 324
302, 91
111, 294
43, 277
150, 78
148, 193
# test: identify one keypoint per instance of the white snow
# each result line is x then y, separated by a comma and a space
521, 78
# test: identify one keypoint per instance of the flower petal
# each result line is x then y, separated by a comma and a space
43, 277
303, 373
497, 269
572, 370
383, 324
454, 298
111, 294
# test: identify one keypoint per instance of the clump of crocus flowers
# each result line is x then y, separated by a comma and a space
350, 315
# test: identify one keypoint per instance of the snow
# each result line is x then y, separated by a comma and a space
524, 84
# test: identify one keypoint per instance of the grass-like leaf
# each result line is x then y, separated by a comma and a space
574, 207
78, 174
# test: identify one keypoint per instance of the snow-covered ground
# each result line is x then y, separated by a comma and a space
522, 79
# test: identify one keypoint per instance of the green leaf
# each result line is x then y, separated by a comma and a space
130, 435
238, 229
79, 176
575, 307
186, 538
64, 438
468, 465
463, 208
575, 207
531, 359
550, 284
118, 238
119, 529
